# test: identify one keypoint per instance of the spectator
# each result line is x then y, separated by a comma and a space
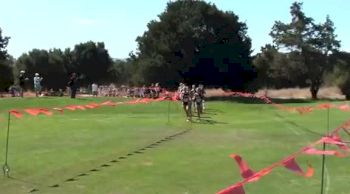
72, 84
21, 81
94, 88
37, 84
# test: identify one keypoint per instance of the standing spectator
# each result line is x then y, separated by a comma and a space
94, 88
37, 84
152, 92
157, 90
142, 91
72, 84
12, 90
60, 92
21, 82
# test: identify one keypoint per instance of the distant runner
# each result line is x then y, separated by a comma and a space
186, 102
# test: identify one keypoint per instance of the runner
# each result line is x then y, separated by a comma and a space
193, 91
198, 100
186, 102
201, 93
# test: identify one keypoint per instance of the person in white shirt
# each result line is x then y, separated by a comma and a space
94, 88
37, 84
142, 91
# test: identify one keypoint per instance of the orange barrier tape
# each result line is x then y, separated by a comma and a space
314, 151
58, 109
16, 113
290, 162
234, 189
344, 107
300, 110
246, 172
109, 103
37, 111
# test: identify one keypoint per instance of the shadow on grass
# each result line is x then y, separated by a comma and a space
21, 180
207, 121
212, 111
245, 100
294, 124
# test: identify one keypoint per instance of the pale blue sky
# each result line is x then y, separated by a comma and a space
46, 24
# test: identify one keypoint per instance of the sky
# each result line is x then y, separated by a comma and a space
46, 24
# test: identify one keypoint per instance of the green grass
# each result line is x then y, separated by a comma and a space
46, 151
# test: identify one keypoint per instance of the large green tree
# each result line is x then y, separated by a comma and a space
91, 60
310, 42
279, 70
6, 73
193, 41
4, 40
340, 74
6, 63
49, 64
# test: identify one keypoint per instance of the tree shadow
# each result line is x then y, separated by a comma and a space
208, 121
244, 100
209, 113
21, 180
212, 111
294, 124
202, 117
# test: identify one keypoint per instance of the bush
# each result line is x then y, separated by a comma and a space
344, 86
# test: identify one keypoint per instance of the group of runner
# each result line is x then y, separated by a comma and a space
192, 98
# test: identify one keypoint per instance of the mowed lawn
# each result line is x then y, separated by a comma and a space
107, 150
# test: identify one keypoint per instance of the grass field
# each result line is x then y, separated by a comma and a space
108, 150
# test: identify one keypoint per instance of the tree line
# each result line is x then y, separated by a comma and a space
195, 42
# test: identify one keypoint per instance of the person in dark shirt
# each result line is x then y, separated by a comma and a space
21, 82
72, 84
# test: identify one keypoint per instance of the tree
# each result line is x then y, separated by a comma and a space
264, 62
91, 60
6, 62
340, 72
49, 64
119, 72
312, 42
3, 44
279, 70
195, 42
6, 76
